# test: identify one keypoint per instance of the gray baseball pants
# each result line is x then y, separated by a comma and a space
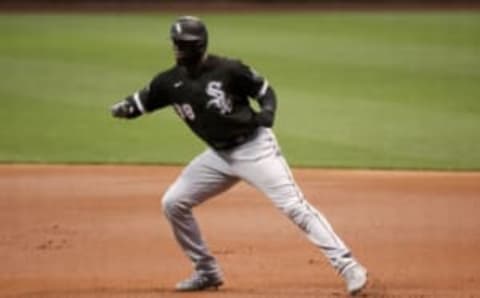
260, 163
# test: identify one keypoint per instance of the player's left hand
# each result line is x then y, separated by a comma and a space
264, 118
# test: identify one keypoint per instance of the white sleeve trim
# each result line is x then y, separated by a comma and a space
138, 103
263, 90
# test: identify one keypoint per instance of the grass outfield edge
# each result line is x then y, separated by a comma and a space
293, 166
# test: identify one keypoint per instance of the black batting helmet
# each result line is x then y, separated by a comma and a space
190, 38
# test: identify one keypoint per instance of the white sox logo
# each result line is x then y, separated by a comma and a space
218, 99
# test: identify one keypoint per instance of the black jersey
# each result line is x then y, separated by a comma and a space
213, 102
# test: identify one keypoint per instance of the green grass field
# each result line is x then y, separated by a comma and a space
356, 90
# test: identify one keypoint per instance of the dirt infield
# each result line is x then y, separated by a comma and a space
98, 231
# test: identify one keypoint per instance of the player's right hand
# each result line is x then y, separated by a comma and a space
120, 109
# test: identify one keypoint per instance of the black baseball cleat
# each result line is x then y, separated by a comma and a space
199, 282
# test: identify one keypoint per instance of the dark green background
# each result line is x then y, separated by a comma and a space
356, 90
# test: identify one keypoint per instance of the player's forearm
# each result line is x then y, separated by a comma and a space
268, 106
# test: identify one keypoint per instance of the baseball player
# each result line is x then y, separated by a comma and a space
212, 95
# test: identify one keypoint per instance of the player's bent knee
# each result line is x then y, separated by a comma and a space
173, 208
173, 205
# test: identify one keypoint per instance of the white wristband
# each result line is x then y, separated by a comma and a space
138, 103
